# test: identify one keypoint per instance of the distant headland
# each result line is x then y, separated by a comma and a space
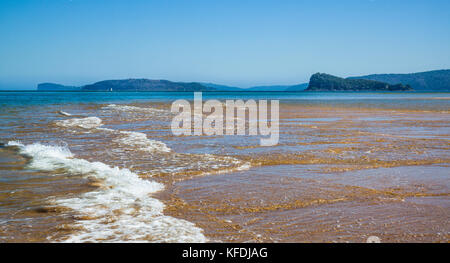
56, 87
437, 80
329, 83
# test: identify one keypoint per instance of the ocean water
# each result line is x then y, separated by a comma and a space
105, 167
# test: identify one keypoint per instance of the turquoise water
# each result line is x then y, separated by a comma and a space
26, 97
411, 101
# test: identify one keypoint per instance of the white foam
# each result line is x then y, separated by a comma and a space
122, 210
239, 165
64, 113
85, 123
129, 138
106, 129
140, 140
129, 108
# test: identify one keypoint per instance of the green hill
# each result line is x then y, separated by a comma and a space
144, 85
436, 80
326, 82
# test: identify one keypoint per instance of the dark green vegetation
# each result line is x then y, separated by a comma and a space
161, 85
326, 82
436, 80
144, 85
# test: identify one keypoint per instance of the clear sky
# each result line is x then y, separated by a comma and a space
241, 43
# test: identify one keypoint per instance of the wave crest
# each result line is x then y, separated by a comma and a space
122, 210
85, 123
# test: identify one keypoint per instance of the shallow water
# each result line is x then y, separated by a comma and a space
81, 167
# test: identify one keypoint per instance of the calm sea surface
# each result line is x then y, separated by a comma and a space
81, 167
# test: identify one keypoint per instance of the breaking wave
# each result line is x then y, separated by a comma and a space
85, 123
122, 209
140, 140
129, 108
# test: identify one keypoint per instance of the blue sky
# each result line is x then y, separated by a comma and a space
241, 43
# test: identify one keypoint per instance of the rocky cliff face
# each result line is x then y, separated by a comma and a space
326, 82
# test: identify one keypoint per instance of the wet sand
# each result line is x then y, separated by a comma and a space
340, 173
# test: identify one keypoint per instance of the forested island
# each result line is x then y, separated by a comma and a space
437, 80
330, 83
